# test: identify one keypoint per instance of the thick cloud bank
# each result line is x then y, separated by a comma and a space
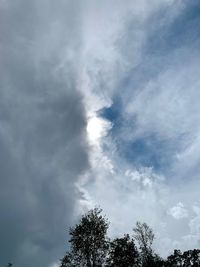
42, 129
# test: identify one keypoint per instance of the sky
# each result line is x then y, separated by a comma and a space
99, 106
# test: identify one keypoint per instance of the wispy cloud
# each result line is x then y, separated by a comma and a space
153, 68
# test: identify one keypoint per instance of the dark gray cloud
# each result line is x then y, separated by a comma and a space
42, 129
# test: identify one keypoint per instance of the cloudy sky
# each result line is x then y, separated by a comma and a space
99, 105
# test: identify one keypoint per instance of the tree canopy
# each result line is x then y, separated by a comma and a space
89, 244
123, 253
91, 247
144, 235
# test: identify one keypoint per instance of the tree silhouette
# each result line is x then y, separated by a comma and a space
90, 247
89, 243
190, 258
144, 236
123, 253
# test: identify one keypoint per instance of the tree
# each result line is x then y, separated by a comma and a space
185, 259
156, 261
191, 258
89, 243
144, 235
123, 253
175, 259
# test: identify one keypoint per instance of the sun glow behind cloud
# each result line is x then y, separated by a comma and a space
97, 128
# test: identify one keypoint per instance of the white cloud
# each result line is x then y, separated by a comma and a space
163, 104
178, 211
97, 128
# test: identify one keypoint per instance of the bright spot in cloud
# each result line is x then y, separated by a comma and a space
178, 211
97, 128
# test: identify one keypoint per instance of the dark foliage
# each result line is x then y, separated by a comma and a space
90, 247
144, 235
190, 258
123, 253
89, 244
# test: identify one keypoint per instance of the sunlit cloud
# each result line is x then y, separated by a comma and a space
97, 128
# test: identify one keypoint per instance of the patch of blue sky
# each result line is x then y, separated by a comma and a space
183, 31
113, 114
148, 152
160, 43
